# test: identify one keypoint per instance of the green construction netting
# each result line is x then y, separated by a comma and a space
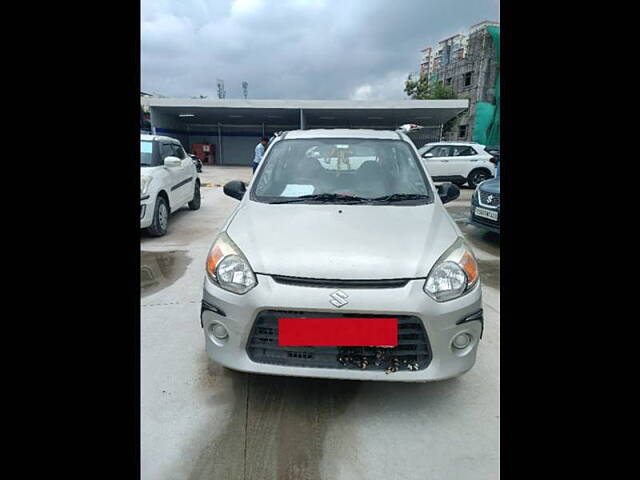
486, 128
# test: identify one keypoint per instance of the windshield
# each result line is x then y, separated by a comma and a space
339, 170
146, 153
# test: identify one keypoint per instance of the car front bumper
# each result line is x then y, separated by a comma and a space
482, 222
147, 205
442, 322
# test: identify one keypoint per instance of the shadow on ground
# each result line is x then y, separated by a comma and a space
278, 425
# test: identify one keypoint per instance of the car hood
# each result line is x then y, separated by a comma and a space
346, 242
490, 186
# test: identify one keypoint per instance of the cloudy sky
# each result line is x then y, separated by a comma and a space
295, 49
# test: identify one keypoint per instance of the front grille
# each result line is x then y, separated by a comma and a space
413, 351
493, 202
319, 282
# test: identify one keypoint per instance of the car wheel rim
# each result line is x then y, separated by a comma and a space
162, 216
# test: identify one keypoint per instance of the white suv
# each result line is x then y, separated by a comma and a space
457, 162
168, 181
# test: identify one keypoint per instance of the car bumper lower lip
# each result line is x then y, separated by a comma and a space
442, 322
480, 223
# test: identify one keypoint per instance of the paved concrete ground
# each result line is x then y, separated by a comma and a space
200, 421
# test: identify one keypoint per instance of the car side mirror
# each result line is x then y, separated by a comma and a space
235, 189
448, 192
427, 155
172, 162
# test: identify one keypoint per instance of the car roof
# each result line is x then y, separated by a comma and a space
151, 138
343, 133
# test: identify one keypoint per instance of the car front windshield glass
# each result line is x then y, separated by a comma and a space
146, 153
334, 170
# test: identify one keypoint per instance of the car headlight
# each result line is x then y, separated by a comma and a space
145, 181
228, 267
454, 274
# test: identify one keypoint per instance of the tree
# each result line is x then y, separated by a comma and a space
417, 89
441, 92
422, 89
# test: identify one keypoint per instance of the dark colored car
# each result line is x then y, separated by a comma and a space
494, 151
485, 205
196, 161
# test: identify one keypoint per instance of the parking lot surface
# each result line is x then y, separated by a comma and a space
201, 421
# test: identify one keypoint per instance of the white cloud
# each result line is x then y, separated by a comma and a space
390, 87
245, 7
363, 92
167, 33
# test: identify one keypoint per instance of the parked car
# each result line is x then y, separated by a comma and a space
458, 162
485, 205
340, 261
168, 181
197, 162
494, 151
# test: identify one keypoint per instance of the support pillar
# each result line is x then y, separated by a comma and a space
219, 144
303, 120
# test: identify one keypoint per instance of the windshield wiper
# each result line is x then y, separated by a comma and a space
399, 197
324, 198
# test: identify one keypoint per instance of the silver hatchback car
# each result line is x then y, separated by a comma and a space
340, 261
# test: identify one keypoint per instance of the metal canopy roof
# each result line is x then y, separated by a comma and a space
316, 112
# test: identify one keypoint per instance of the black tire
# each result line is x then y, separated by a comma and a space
160, 221
478, 175
194, 204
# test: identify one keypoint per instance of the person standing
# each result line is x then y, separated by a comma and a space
259, 152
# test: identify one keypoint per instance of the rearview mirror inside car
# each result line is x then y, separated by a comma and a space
235, 189
448, 192
172, 162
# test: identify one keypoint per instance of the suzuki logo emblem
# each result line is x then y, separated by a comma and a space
490, 198
338, 299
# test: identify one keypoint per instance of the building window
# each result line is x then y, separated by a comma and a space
462, 131
467, 78
448, 81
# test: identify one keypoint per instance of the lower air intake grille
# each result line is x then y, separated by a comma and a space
412, 353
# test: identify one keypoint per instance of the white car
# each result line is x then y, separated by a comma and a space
168, 182
350, 268
458, 162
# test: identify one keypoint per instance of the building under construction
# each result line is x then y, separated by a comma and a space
469, 65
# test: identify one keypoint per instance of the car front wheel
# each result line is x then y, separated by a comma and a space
160, 218
194, 204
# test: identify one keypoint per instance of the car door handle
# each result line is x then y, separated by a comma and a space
444, 160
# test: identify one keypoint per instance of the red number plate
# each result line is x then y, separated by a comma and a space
337, 332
